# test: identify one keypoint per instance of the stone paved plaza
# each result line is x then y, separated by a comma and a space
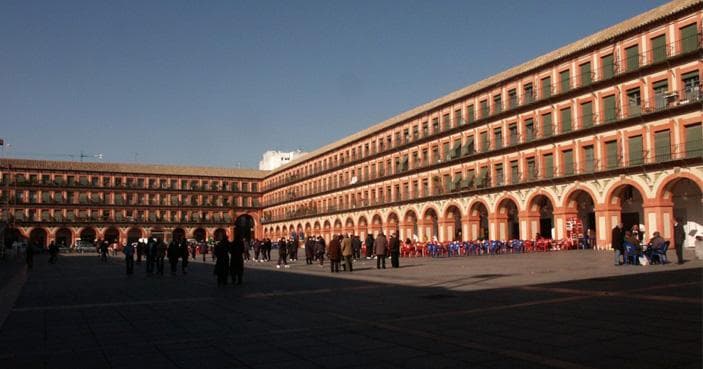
544, 310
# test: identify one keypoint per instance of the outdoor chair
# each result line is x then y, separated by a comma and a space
659, 255
631, 254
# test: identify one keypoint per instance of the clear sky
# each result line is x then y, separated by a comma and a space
217, 83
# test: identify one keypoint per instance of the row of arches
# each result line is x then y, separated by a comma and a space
541, 212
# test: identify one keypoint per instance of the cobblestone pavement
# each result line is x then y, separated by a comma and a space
544, 310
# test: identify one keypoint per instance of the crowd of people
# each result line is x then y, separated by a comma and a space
629, 246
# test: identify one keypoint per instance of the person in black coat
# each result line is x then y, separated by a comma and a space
616, 238
172, 254
140, 251
151, 255
222, 261
320, 249
679, 237
236, 266
309, 250
183, 253
369, 246
29, 250
282, 253
356, 247
267, 249
394, 246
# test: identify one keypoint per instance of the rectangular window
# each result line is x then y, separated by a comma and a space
425, 129
586, 77
689, 38
609, 112
484, 108
446, 122
660, 89
499, 174
635, 150
564, 81
497, 104
483, 179
662, 146
694, 141
445, 150
512, 99
658, 48
529, 130
546, 87
458, 118
608, 66
587, 115
548, 171
435, 126
588, 159
691, 85
547, 128
514, 172
565, 120
456, 149
632, 55
498, 138
634, 102
529, 93
485, 144
471, 114
512, 131
469, 148
531, 169
611, 154
568, 162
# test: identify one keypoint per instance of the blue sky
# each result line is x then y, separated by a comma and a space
217, 83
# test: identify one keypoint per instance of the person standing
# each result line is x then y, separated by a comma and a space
140, 250
221, 255
379, 247
29, 253
309, 250
369, 245
173, 256
129, 257
257, 250
282, 253
183, 252
53, 252
334, 253
267, 249
160, 256
236, 266
151, 251
394, 246
616, 240
104, 245
356, 247
320, 250
679, 237
347, 252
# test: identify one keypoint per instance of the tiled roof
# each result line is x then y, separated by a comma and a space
134, 168
575, 47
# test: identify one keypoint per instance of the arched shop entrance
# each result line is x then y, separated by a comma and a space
64, 236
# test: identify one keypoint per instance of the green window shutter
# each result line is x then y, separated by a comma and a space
635, 150
484, 108
608, 65
566, 120
484, 142
531, 168
564, 80
662, 146
609, 108
498, 138
529, 130
587, 115
513, 134
469, 148
568, 161
585, 70
497, 104
471, 114
548, 166
632, 54
547, 128
633, 102
658, 48
611, 154
588, 158
689, 38
660, 89
514, 172
694, 141
546, 87
483, 177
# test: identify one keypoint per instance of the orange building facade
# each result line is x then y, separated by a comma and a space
603, 130
48, 201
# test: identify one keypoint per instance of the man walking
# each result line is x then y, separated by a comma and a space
129, 257
334, 253
369, 245
347, 252
282, 253
394, 245
104, 245
183, 252
679, 237
160, 255
151, 255
356, 247
53, 252
379, 246
616, 240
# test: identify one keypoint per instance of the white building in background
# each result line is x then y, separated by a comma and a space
273, 159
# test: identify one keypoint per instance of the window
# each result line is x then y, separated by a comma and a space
565, 117
568, 162
446, 122
514, 172
587, 115
585, 70
471, 114
694, 140
484, 108
660, 89
548, 171
564, 81
497, 104
425, 129
512, 99
611, 154
691, 85
662, 146
435, 126
499, 175
689, 38
658, 48
469, 148
635, 150
588, 159
498, 138
512, 132
529, 130
458, 118
634, 102
632, 56
609, 111
445, 151
456, 150
529, 93
546, 87
608, 66
531, 169
547, 129
485, 145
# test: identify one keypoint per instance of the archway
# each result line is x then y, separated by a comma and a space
580, 215
327, 230
112, 235
337, 227
349, 226
412, 230
452, 223
376, 225
363, 227
220, 234
199, 234
542, 205
687, 206
244, 227
431, 225
308, 229
38, 236
507, 220
178, 234
64, 236
134, 234
277, 234
478, 221
317, 229
88, 235
392, 224
630, 201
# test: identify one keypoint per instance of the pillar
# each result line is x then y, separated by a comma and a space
658, 217
498, 226
529, 224
561, 215
607, 216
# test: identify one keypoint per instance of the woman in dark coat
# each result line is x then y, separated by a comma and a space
334, 253
236, 266
222, 264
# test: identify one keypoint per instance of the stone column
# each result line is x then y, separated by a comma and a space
498, 226
658, 217
561, 215
529, 224
607, 216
